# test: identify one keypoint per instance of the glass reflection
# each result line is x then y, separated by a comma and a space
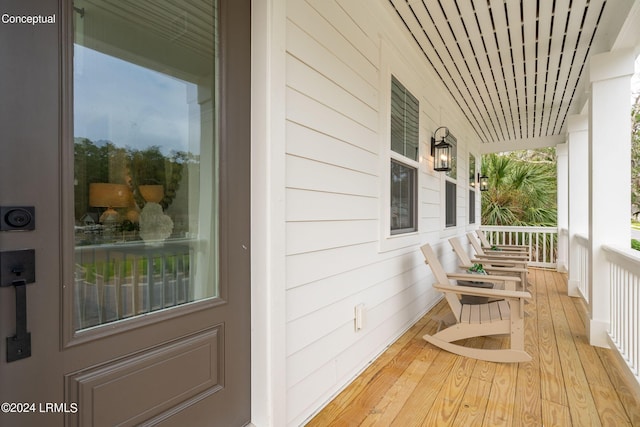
144, 158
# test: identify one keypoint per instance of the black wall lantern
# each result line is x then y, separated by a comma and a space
441, 151
483, 182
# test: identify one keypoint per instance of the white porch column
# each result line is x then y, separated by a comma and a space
578, 140
609, 182
562, 161
268, 264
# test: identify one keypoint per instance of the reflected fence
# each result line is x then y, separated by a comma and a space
118, 281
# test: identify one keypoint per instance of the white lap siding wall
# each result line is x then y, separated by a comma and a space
336, 67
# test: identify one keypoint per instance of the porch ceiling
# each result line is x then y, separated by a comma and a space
515, 68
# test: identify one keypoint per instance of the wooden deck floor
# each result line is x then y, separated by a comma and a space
568, 383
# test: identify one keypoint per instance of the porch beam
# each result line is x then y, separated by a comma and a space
521, 144
610, 178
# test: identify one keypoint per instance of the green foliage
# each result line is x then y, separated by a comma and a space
99, 161
477, 268
635, 244
522, 188
150, 166
103, 161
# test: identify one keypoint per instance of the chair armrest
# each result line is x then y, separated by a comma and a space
503, 257
509, 254
483, 292
500, 269
505, 269
492, 260
482, 278
517, 248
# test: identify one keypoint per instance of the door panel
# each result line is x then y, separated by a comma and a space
132, 321
125, 384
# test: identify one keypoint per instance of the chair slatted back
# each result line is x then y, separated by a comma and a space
441, 277
475, 243
456, 244
483, 238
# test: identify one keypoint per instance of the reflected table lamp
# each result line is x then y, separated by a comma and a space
152, 193
109, 196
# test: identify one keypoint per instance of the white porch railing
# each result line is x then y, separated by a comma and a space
623, 283
542, 241
582, 258
563, 249
624, 333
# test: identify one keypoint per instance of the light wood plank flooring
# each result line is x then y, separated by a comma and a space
568, 383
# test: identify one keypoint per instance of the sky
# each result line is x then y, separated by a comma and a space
128, 105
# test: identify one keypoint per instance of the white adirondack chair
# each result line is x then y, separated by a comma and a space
506, 258
505, 316
489, 267
487, 245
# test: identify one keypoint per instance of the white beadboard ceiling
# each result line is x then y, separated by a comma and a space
187, 23
515, 68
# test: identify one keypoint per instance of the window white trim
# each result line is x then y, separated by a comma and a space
402, 159
393, 64
413, 212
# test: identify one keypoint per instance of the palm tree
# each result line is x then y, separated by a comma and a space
522, 189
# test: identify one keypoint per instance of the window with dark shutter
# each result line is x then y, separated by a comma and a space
450, 200
404, 121
472, 206
404, 156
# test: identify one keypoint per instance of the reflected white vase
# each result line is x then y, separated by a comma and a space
155, 225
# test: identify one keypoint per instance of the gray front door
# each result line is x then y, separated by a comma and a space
124, 166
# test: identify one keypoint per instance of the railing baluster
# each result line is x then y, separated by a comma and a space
636, 321
622, 314
624, 294
612, 301
615, 300
633, 314
617, 310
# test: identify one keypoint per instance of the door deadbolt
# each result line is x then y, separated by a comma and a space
13, 218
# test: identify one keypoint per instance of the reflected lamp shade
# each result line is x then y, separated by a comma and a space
107, 195
152, 193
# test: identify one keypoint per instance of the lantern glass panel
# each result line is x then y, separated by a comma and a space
484, 183
442, 157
